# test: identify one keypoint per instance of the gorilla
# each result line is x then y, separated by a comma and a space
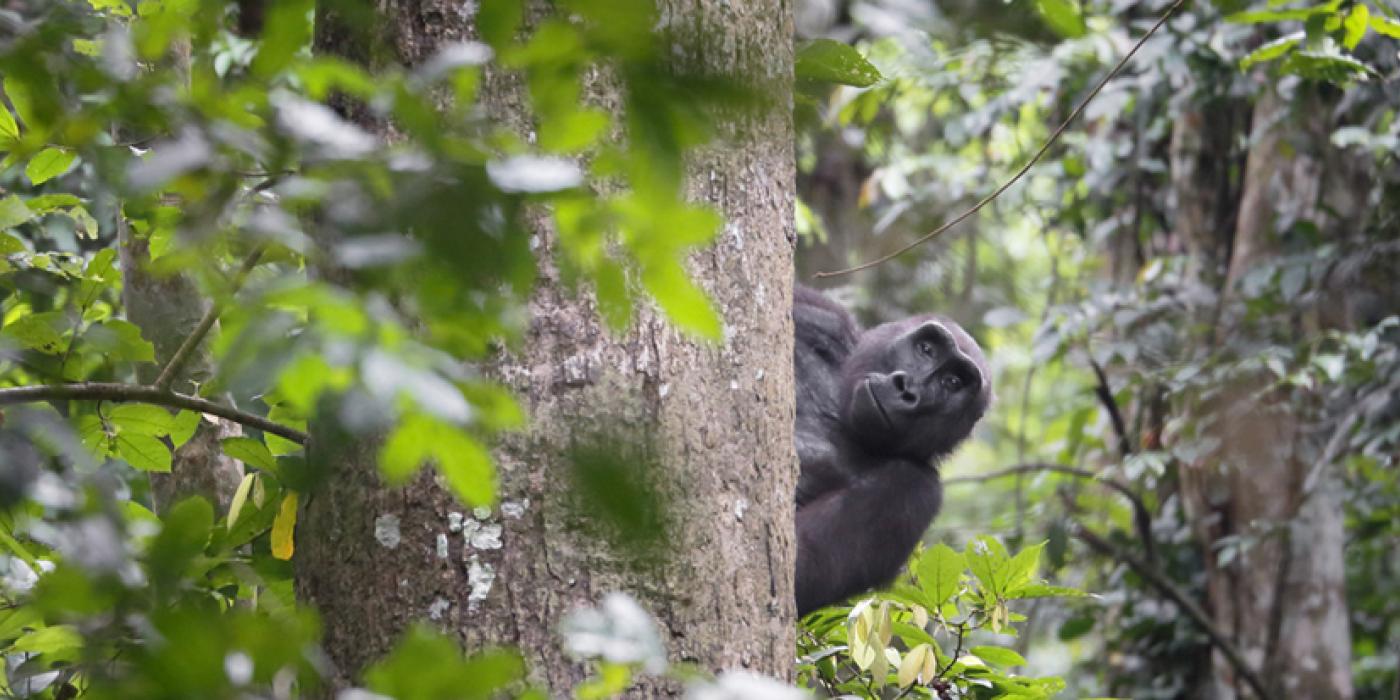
876, 412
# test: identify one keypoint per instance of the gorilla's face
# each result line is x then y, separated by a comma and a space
914, 388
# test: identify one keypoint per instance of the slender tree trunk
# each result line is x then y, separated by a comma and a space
712, 424
1281, 594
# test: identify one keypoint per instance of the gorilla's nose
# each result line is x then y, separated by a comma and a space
900, 382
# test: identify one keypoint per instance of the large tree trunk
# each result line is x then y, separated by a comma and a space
1281, 595
712, 424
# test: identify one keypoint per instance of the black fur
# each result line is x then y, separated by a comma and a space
876, 411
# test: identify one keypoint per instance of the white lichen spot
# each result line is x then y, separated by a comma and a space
439, 608
733, 385
454, 522
741, 506
575, 371
758, 376
442, 546
480, 576
386, 530
488, 536
481, 512
469, 530
664, 390
515, 509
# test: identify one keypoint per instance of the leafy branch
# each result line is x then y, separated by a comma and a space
100, 391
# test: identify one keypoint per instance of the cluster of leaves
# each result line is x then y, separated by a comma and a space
946, 631
1323, 49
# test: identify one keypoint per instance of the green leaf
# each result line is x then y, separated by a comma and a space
1262, 16
13, 212
1021, 569
55, 639
284, 527
9, 129
684, 303
1385, 25
46, 203
120, 341
49, 164
143, 452
427, 665
9, 245
461, 460
940, 572
37, 332
182, 537
1040, 590
1328, 67
182, 427
497, 21
1271, 50
1000, 656
250, 452
141, 419
830, 61
286, 30
1355, 25
1063, 16
987, 559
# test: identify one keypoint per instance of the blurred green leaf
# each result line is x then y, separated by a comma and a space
426, 665
830, 61
1271, 50
13, 212
48, 164
1063, 16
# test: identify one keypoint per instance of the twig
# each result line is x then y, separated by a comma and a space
1142, 518
1183, 600
1024, 168
1110, 404
97, 391
191, 343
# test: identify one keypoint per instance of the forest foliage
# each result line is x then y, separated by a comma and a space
361, 279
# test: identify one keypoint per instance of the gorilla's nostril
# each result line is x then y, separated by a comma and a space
900, 382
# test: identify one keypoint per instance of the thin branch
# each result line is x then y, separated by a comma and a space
211, 315
1110, 404
1183, 600
1142, 518
96, 391
1025, 168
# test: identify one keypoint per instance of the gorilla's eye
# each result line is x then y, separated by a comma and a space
926, 348
952, 382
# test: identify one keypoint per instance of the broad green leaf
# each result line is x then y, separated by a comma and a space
183, 426
940, 570
1000, 656
49, 164
286, 30
1063, 16
183, 536
284, 527
120, 341
240, 497
143, 452
1385, 25
13, 212
37, 332
1040, 590
830, 61
1355, 25
426, 664
987, 559
18, 92
1271, 50
1021, 569
9, 245
55, 639
46, 203
141, 419
250, 452
497, 21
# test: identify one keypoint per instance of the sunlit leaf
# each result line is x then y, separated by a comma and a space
1272, 50
240, 497
1000, 656
141, 419
13, 212
830, 61
1355, 24
143, 452
250, 452
940, 572
49, 164
1063, 16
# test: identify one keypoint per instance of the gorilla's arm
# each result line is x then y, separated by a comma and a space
857, 538
825, 335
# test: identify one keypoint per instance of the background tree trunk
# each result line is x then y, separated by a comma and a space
1281, 591
712, 424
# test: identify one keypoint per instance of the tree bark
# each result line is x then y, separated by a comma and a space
1281, 597
712, 423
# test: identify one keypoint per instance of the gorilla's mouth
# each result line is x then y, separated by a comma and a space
869, 387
